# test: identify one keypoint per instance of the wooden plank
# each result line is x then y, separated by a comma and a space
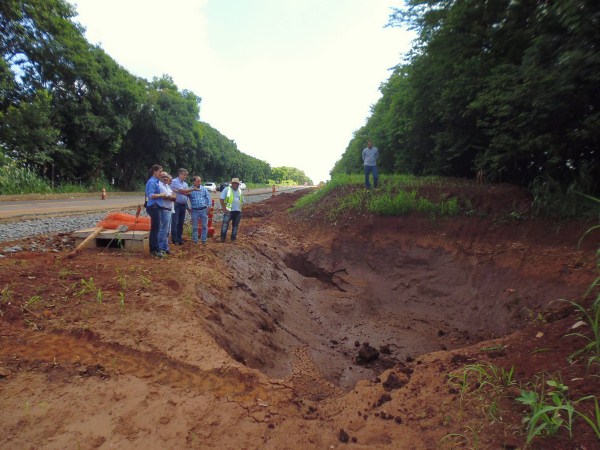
133, 241
113, 234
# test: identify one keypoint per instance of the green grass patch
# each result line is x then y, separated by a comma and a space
397, 196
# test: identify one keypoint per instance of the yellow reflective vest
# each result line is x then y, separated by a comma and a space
229, 198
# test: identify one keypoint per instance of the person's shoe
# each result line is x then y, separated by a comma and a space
159, 255
168, 252
203, 242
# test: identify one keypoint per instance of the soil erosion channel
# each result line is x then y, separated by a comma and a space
319, 297
261, 343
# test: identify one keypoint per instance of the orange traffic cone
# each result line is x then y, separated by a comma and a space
103, 197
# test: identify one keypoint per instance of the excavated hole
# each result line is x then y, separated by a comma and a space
403, 302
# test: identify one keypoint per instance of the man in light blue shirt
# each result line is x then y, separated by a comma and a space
369, 156
200, 201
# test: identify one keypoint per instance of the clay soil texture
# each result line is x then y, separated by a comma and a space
313, 330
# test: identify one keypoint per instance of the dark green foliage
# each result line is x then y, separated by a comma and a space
503, 86
68, 109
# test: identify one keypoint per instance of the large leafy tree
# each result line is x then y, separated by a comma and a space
507, 86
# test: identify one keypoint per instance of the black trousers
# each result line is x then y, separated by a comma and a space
154, 213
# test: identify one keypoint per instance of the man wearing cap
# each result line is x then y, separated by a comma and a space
231, 205
200, 201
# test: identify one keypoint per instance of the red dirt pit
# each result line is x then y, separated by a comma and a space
257, 344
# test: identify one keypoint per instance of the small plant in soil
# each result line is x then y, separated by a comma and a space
550, 407
122, 300
85, 287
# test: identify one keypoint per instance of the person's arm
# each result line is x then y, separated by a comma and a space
222, 200
159, 194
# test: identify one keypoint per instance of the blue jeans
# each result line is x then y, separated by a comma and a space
373, 170
177, 223
197, 215
154, 213
234, 217
165, 227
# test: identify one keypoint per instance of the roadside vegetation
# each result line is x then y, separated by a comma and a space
15, 180
400, 194
397, 195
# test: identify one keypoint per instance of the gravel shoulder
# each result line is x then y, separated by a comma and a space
18, 228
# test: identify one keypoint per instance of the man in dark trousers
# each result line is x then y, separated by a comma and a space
181, 188
369, 156
231, 205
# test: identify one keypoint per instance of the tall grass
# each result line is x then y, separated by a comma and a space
16, 180
19, 180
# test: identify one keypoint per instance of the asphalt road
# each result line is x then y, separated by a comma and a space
28, 208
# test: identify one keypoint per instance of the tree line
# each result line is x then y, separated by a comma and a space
510, 88
70, 113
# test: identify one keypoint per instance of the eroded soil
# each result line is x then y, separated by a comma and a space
256, 344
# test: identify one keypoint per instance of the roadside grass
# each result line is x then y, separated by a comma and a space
397, 195
15, 180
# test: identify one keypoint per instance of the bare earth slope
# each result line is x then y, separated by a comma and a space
256, 344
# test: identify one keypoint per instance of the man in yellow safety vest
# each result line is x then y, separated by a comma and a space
231, 205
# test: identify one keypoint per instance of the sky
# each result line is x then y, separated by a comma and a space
288, 80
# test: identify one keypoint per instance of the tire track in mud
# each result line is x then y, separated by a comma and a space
73, 354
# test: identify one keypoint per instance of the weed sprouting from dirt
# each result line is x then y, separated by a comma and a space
122, 301
121, 279
550, 408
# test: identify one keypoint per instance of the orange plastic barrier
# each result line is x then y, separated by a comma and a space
114, 224
115, 219
125, 218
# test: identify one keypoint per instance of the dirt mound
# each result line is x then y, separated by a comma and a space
310, 331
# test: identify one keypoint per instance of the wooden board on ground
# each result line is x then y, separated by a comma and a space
134, 241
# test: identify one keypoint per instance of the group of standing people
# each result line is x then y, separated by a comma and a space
168, 200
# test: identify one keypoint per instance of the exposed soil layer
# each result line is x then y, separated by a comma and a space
312, 331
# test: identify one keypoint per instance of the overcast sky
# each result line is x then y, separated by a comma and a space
288, 80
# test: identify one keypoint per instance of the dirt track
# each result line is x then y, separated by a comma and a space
255, 345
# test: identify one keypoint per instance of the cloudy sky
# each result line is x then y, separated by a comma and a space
288, 80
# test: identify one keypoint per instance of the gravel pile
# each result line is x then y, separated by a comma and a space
25, 228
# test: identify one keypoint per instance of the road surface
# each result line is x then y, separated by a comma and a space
74, 205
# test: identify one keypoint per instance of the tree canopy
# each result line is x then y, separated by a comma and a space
509, 87
66, 105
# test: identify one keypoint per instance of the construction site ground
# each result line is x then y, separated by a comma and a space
264, 343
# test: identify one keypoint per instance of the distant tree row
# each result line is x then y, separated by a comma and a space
69, 112
509, 87
289, 173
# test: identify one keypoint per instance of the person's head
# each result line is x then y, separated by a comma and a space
197, 181
369, 144
166, 178
235, 183
155, 170
183, 173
